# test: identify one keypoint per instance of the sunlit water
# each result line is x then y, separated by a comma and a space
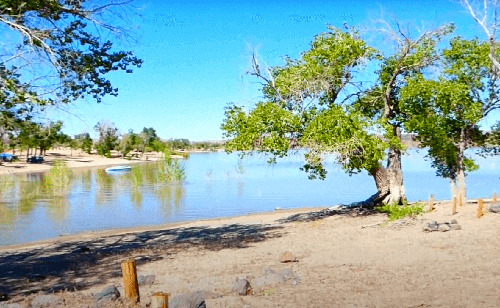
217, 185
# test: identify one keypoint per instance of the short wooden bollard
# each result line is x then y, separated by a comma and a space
431, 203
454, 210
159, 300
130, 284
479, 208
495, 199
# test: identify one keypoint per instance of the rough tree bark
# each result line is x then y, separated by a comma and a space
395, 174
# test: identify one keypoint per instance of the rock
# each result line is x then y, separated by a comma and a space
287, 256
444, 227
110, 293
189, 300
146, 280
272, 277
48, 300
455, 227
495, 208
433, 226
454, 222
242, 286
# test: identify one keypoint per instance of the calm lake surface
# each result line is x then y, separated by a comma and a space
217, 185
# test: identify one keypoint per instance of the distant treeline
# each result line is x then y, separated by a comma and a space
36, 139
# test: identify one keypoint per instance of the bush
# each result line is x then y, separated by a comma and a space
396, 211
58, 179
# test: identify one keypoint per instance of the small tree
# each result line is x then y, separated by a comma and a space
108, 138
84, 142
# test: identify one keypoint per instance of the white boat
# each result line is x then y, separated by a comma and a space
118, 168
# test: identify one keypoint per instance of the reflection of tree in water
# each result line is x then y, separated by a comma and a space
7, 215
169, 196
58, 208
241, 186
7, 185
105, 185
136, 197
29, 193
86, 180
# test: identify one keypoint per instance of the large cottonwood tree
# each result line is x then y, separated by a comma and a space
315, 102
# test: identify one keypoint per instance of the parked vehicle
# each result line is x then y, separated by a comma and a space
35, 159
6, 157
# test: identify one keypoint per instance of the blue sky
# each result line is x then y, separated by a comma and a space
196, 55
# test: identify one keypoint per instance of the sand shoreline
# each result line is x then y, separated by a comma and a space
249, 218
345, 259
74, 160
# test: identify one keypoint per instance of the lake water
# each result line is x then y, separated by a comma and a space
217, 185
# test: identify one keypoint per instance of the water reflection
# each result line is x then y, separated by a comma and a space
20, 195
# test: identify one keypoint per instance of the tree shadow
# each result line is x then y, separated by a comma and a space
312, 216
80, 264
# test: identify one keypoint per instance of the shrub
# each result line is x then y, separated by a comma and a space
396, 211
58, 179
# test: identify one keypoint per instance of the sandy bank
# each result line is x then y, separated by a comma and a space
341, 261
74, 159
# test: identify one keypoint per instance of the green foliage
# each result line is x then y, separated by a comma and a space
169, 170
334, 130
396, 211
446, 112
108, 138
267, 128
58, 179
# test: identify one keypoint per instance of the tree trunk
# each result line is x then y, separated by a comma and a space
395, 174
382, 182
389, 181
459, 187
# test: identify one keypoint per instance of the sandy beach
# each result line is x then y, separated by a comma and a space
73, 159
347, 258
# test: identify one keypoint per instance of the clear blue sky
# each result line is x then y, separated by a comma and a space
196, 55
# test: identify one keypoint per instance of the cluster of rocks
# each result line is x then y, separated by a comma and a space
443, 227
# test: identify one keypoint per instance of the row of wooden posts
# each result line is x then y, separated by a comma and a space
129, 272
480, 204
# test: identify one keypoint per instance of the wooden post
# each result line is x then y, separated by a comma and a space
454, 210
479, 208
495, 197
130, 284
159, 300
460, 201
431, 203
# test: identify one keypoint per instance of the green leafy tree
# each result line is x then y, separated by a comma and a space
445, 111
63, 42
315, 102
108, 138
84, 142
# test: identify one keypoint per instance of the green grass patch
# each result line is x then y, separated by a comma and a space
396, 211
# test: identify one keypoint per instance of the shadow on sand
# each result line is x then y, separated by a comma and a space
78, 265
312, 216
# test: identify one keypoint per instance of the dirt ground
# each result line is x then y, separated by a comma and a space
344, 260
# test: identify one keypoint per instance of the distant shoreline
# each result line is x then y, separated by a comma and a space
75, 160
